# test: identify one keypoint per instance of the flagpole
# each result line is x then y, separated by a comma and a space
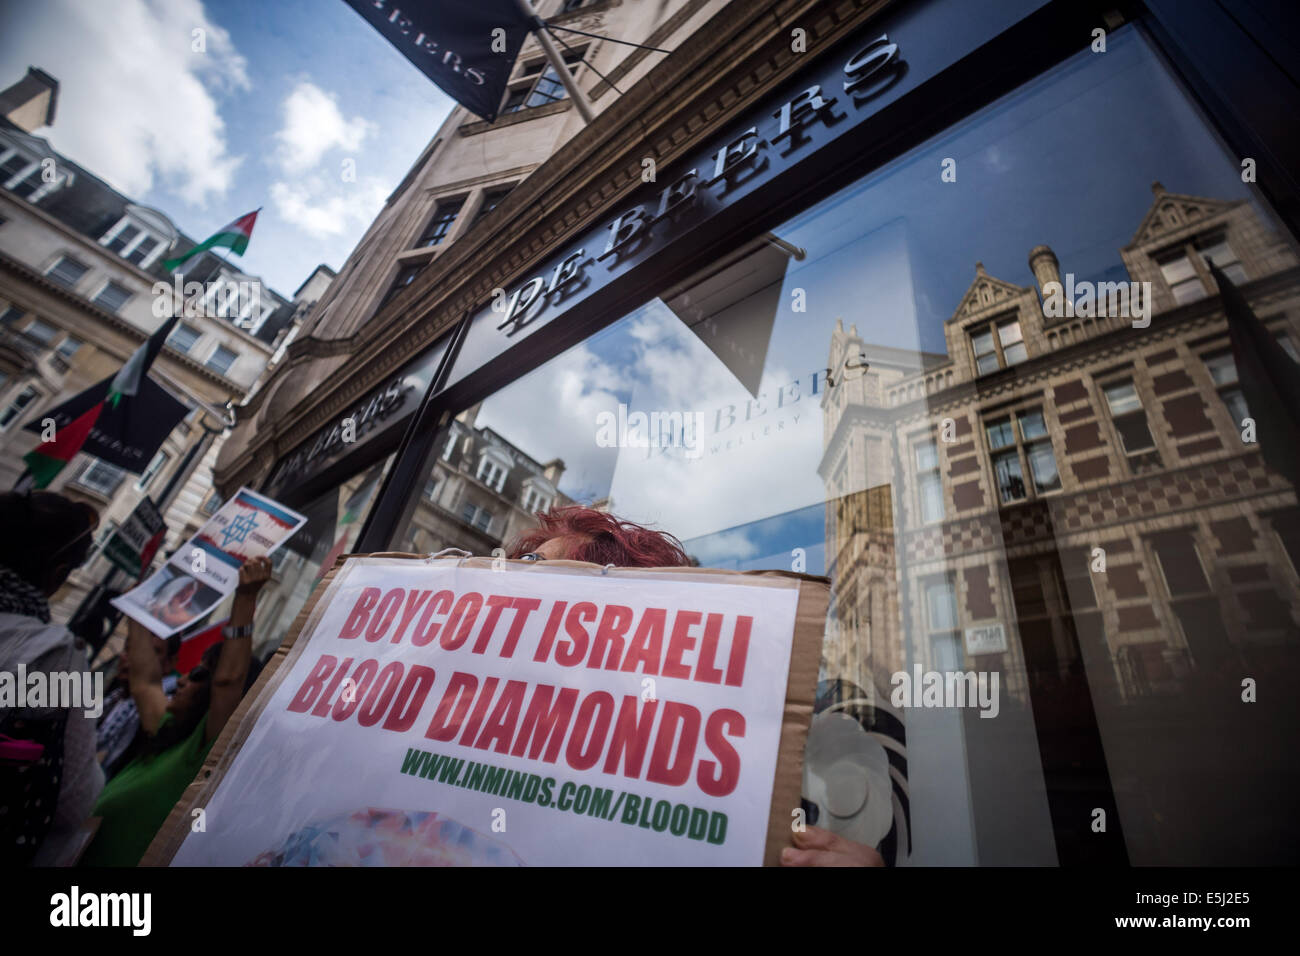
557, 61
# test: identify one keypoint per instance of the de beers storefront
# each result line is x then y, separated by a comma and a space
918, 298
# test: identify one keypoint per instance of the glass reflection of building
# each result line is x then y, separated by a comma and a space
482, 492
1081, 516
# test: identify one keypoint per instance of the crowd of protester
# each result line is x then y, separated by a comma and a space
79, 789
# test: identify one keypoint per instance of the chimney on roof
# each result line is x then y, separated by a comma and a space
1045, 266
29, 104
553, 469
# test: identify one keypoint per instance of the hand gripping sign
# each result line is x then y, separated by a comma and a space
431, 711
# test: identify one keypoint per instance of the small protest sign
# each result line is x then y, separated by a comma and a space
206, 568
135, 542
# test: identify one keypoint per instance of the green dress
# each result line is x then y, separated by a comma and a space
135, 803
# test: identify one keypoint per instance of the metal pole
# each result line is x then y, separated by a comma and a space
557, 61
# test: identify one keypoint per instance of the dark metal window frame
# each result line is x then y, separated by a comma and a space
526, 85
445, 213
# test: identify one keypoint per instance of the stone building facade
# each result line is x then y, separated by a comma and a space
80, 279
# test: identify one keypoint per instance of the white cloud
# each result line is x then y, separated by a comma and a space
733, 545
314, 125
321, 209
746, 470
136, 100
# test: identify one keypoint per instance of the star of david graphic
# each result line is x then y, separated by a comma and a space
238, 529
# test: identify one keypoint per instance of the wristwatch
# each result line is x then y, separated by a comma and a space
230, 633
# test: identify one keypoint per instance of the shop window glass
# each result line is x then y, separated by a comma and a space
334, 522
772, 463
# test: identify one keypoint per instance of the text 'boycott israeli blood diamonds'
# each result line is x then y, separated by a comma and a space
542, 721
517, 715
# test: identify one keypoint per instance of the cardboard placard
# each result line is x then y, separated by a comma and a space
810, 598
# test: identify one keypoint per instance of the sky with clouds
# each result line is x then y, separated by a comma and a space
297, 106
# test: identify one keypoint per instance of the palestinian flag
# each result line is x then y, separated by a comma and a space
233, 237
48, 459
127, 380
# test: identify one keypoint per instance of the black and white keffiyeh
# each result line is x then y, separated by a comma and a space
19, 596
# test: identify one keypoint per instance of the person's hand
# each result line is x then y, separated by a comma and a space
254, 573
818, 847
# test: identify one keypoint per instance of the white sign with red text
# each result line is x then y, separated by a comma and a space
435, 714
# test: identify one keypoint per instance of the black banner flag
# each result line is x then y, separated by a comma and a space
467, 47
126, 434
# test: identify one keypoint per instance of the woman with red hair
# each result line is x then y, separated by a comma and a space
574, 533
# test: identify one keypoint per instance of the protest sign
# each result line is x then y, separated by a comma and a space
206, 568
428, 711
135, 542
